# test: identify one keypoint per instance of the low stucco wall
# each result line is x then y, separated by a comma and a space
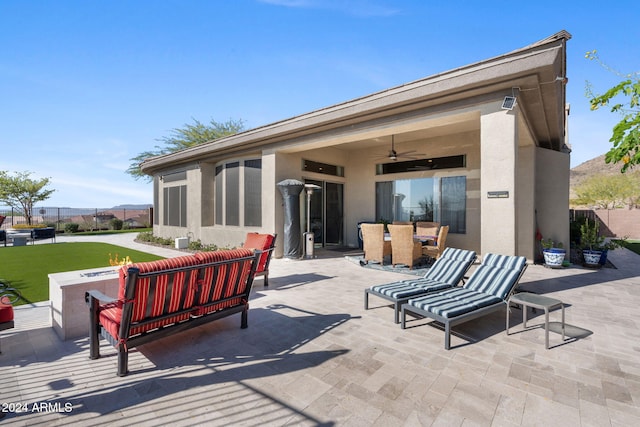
615, 222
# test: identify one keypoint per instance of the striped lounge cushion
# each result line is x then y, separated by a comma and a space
496, 275
224, 280
408, 288
448, 271
454, 302
155, 296
444, 273
489, 284
459, 254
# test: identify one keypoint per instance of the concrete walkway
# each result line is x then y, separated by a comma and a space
313, 356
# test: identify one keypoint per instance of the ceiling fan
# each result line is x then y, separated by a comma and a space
393, 155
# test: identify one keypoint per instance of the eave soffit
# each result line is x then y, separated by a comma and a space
545, 59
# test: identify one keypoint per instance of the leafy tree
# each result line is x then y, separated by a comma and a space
623, 98
21, 192
427, 207
187, 136
608, 191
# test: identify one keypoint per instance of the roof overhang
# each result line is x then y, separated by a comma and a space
535, 75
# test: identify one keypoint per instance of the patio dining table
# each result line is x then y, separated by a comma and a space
431, 240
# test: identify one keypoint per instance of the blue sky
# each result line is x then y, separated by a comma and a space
86, 85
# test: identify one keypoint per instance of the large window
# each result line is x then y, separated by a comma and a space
424, 199
448, 162
238, 193
253, 192
232, 193
175, 205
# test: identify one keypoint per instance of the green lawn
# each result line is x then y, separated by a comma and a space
634, 245
26, 268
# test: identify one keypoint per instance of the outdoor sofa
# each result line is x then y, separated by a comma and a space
160, 298
446, 272
265, 243
487, 290
43, 233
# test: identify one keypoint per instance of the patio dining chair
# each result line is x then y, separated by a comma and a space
427, 228
436, 251
445, 273
487, 290
405, 249
373, 243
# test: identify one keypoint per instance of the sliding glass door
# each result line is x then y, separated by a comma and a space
326, 213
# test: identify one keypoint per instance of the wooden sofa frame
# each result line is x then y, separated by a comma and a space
200, 293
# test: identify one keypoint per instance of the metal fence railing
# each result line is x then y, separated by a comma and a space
87, 218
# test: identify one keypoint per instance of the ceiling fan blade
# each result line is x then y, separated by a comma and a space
413, 155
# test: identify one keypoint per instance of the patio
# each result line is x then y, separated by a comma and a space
313, 356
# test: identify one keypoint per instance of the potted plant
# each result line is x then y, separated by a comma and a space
610, 245
591, 242
554, 253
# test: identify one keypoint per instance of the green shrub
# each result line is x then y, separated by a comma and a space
148, 237
575, 233
116, 224
197, 245
28, 226
71, 227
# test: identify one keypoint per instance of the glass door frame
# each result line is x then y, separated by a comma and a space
321, 240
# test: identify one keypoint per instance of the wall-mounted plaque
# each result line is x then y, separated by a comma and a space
497, 194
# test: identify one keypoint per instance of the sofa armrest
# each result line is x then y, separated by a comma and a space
97, 296
93, 299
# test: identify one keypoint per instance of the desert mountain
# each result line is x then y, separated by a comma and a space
592, 167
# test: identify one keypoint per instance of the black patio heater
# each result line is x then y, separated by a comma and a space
290, 190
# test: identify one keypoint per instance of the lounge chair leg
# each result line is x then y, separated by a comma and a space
447, 336
366, 299
396, 312
266, 280
404, 317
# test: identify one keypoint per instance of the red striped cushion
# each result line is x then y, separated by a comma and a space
155, 296
219, 281
261, 242
111, 317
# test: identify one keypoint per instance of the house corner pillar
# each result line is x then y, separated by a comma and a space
498, 168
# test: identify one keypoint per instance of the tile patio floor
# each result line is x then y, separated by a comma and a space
313, 356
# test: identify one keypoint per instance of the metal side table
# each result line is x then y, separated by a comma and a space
526, 299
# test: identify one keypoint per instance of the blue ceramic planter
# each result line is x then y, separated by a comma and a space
554, 257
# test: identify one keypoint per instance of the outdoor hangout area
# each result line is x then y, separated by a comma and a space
313, 354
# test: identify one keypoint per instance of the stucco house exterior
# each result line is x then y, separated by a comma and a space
482, 148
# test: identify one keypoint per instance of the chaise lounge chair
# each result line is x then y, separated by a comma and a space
487, 290
445, 273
